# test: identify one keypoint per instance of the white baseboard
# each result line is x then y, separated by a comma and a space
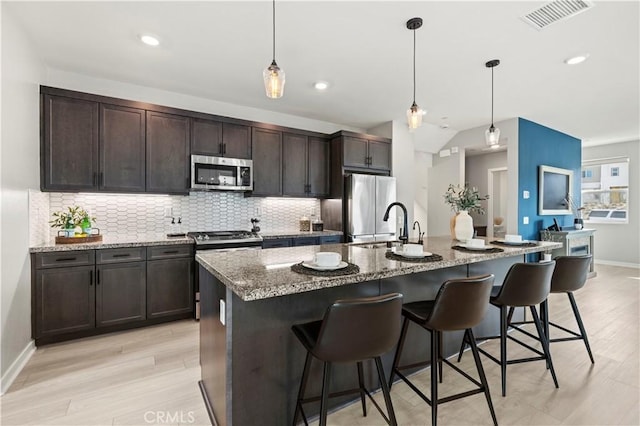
16, 367
614, 263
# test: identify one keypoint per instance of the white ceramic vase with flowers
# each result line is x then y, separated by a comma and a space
463, 200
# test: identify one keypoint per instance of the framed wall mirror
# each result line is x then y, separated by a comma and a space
554, 191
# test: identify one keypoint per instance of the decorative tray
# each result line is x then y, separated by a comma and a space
83, 238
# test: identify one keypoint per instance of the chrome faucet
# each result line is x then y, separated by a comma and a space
420, 234
404, 237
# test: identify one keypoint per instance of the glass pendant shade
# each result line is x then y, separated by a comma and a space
274, 79
414, 116
492, 136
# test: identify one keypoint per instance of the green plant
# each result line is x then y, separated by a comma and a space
74, 216
464, 198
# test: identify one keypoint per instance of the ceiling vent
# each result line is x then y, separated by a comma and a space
555, 11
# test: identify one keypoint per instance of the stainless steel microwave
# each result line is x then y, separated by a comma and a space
221, 173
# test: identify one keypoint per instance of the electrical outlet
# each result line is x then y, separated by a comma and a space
525, 220
525, 195
258, 211
168, 212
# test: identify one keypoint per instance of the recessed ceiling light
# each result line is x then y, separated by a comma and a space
321, 85
576, 59
149, 40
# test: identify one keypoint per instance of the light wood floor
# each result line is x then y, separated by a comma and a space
149, 376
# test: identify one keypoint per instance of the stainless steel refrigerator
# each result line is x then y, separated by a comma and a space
367, 198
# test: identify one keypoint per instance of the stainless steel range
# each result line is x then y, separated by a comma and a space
223, 241
217, 240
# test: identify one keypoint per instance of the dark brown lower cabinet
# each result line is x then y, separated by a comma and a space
121, 294
64, 300
169, 284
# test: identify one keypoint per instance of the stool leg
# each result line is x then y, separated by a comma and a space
385, 392
544, 317
510, 315
303, 386
440, 355
361, 384
583, 332
434, 378
462, 346
396, 358
503, 348
326, 380
545, 343
483, 378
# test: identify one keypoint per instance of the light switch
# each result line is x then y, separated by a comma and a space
525, 195
223, 312
168, 212
454, 149
445, 153
525, 220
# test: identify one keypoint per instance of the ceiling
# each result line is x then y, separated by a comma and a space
218, 50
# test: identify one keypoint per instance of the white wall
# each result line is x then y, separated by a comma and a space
422, 163
451, 170
22, 73
476, 175
617, 243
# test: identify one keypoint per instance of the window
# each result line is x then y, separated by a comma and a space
605, 190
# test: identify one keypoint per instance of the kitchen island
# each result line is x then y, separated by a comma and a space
251, 362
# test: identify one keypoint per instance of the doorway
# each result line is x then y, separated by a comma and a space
498, 201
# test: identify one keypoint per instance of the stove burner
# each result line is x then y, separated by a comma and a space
226, 238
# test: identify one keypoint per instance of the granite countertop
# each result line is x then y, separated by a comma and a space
261, 274
113, 241
294, 234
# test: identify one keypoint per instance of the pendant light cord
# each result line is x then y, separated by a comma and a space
492, 96
274, 30
414, 66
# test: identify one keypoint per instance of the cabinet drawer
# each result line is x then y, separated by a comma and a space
277, 242
64, 258
167, 252
128, 254
305, 241
331, 239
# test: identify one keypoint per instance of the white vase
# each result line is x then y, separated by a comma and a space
464, 226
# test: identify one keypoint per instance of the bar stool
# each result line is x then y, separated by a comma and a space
459, 305
526, 285
352, 330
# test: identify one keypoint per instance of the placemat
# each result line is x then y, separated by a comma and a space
433, 258
490, 250
351, 268
501, 243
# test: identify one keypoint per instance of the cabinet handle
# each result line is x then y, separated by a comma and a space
90, 278
224, 148
98, 277
170, 251
122, 255
101, 182
95, 179
65, 259
220, 147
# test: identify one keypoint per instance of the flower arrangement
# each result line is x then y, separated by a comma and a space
464, 198
75, 216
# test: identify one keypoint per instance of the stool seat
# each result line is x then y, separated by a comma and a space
352, 330
418, 311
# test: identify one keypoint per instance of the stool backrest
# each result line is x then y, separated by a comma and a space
570, 273
461, 303
526, 284
358, 329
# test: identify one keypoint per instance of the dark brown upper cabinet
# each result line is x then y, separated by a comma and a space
122, 149
267, 162
69, 149
167, 153
305, 161
220, 139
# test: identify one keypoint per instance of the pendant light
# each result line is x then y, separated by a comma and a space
273, 75
492, 134
414, 113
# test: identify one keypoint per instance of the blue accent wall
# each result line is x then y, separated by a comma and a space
539, 145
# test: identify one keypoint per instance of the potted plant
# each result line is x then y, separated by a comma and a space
74, 221
463, 200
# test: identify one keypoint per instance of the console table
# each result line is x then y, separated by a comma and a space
574, 243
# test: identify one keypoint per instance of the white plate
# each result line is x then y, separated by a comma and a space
514, 243
316, 267
411, 255
468, 247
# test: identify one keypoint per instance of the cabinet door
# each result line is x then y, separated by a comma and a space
318, 168
69, 144
355, 152
380, 155
65, 300
167, 153
276, 242
305, 241
120, 293
122, 149
236, 140
267, 162
294, 165
169, 287
206, 137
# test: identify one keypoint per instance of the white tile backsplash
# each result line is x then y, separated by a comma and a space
200, 211
39, 217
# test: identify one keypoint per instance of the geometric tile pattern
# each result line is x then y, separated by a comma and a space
200, 211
